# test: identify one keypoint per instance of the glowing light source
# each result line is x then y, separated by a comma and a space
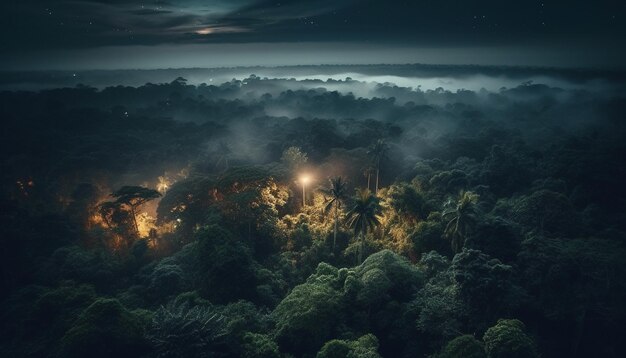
304, 180
163, 185
205, 31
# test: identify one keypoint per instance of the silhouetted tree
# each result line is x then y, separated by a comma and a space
367, 172
336, 194
377, 151
364, 216
134, 197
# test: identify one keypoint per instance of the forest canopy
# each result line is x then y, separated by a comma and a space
289, 217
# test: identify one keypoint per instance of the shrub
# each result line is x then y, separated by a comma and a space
259, 346
507, 339
181, 331
465, 346
104, 329
364, 347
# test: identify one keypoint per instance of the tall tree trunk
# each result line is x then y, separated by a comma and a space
132, 212
336, 223
362, 240
377, 172
106, 221
369, 175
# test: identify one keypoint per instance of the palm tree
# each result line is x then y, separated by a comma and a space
377, 152
364, 216
336, 194
367, 172
460, 217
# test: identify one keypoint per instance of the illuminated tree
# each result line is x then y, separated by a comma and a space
106, 211
364, 216
460, 218
134, 197
377, 151
118, 220
336, 194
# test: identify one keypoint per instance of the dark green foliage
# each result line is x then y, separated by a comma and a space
497, 238
104, 329
571, 276
465, 346
386, 275
364, 347
306, 317
485, 285
449, 182
441, 311
259, 346
140, 249
79, 264
179, 331
573, 283
408, 202
242, 317
166, 280
36, 318
335, 195
428, 236
508, 339
225, 266
380, 291
504, 171
187, 200
363, 216
378, 152
460, 218
237, 268
547, 211
432, 263
313, 312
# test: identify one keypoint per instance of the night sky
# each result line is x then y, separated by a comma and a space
152, 34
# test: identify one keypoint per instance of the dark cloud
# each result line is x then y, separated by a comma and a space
149, 12
37, 25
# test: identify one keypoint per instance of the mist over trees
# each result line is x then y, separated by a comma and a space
174, 220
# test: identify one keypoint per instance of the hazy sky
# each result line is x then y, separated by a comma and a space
136, 34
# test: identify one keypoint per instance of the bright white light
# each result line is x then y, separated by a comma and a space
305, 179
205, 31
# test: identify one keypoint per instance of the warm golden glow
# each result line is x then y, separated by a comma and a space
145, 223
305, 179
164, 184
